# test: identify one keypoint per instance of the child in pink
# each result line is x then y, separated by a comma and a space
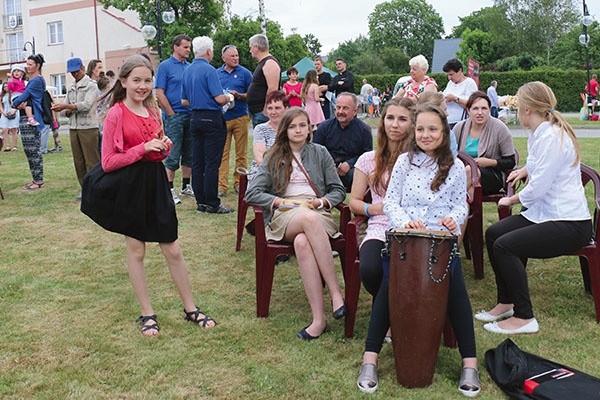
293, 88
16, 85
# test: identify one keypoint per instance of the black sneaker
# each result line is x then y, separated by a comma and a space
201, 208
221, 209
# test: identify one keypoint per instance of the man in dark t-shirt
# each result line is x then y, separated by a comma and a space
324, 81
344, 81
266, 77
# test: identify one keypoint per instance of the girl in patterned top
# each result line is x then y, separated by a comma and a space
427, 190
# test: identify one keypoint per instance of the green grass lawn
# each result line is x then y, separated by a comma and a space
68, 310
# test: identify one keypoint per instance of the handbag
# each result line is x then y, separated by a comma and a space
11, 116
525, 376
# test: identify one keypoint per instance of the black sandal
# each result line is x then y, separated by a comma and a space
194, 316
145, 318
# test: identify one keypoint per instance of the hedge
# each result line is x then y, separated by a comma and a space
566, 84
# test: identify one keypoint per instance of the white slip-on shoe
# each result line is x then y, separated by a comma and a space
531, 327
485, 316
367, 380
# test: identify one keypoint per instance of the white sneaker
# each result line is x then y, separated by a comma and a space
176, 198
187, 191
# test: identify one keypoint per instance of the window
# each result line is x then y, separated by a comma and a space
59, 82
55, 32
15, 47
12, 7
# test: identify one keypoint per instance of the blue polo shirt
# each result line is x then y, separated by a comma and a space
201, 85
239, 80
168, 78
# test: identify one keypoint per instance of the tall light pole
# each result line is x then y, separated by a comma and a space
150, 32
32, 44
584, 39
263, 18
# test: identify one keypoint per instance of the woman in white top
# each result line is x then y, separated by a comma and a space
555, 219
264, 134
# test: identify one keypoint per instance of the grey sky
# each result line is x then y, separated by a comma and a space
336, 21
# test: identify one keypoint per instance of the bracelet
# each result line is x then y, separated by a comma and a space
321, 205
366, 209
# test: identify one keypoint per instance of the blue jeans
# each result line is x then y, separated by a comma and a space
209, 134
177, 128
494, 112
258, 118
44, 139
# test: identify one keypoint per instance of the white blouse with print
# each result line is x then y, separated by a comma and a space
409, 196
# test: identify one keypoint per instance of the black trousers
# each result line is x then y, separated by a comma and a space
371, 270
514, 238
459, 311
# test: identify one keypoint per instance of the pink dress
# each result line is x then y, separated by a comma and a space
313, 108
294, 101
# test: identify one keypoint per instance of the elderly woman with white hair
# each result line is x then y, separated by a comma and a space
412, 87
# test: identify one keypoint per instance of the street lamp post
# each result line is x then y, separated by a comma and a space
149, 32
32, 44
584, 39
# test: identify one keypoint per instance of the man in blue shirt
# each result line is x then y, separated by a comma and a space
177, 116
493, 95
235, 79
203, 93
345, 136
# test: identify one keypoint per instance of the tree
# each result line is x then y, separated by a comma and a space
493, 21
237, 32
478, 45
488, 19
192, 17
350, 50
410, 25
569, 53
537, 24
312, 44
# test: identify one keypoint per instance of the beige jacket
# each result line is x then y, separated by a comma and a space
84, 94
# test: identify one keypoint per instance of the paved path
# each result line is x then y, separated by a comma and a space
520, 132
581, 133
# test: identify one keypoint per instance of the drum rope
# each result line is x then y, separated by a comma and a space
433, 259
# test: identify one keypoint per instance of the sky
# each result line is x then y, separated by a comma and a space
335, 21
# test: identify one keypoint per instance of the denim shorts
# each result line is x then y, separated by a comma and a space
177, 128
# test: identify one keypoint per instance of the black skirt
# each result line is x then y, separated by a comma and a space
135, 201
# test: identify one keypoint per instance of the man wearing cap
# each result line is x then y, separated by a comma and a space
169, 76
235, 79
80, 107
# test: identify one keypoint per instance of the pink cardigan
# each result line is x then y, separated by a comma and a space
115, 154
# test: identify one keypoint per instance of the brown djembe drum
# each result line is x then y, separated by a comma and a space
418, 298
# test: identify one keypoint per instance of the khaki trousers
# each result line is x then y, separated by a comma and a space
84, 145
238, 130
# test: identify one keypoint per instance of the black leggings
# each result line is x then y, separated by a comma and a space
459, 311
512, 239
371, 270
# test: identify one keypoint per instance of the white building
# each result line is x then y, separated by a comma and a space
63, 29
